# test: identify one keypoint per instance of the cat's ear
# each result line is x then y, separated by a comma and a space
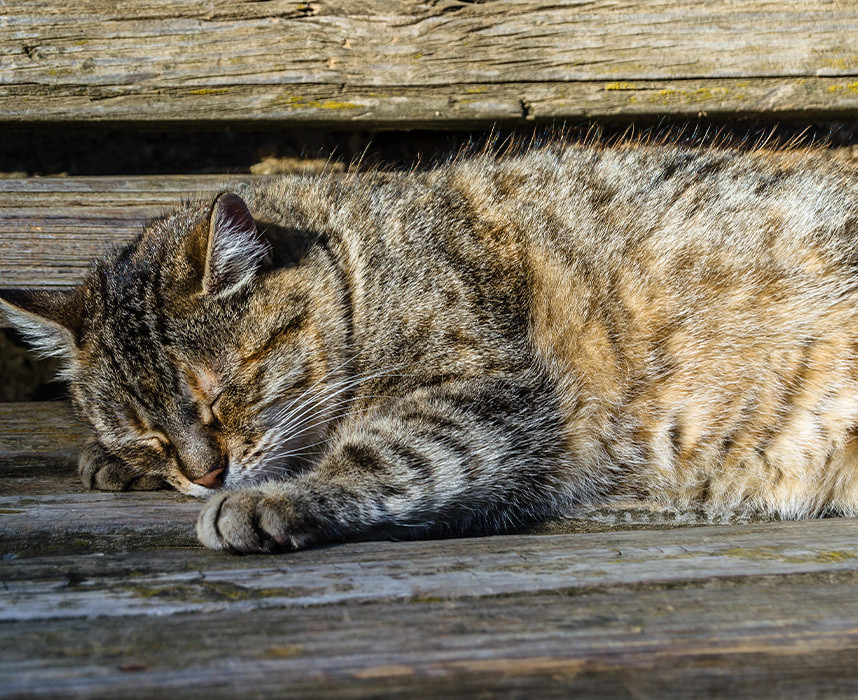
236, 249
50, 321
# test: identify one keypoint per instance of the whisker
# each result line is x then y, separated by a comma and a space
322, 422
312, 411
326, 375
261, 458
337, 389
346, 383
321, 409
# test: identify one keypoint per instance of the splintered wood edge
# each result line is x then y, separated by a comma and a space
451, 107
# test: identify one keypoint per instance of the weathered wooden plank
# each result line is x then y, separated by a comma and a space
51, 229
39, 445
785, 636
362, 572
45, 429
95, 522
472, 105
405, 62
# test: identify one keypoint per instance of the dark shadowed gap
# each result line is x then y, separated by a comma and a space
100, 151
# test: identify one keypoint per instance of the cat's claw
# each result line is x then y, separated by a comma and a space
102, 472
250, 520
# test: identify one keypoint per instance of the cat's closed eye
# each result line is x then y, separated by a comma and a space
214, 411
156, 441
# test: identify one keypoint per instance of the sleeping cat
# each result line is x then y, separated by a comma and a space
478, 346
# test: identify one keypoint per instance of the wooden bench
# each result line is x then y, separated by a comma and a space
107, 594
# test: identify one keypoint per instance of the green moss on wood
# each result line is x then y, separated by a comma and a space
212, 591
769, 553
621, 85
302, 103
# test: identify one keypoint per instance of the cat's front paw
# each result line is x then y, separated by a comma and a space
253, 520
102, 471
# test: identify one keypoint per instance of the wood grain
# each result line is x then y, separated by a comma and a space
39, 446
52, 229
46, 429
408, 63
499, 565
786, 636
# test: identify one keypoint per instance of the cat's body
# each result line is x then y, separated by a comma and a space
480, 345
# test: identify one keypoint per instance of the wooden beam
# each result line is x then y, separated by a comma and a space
51, 229
46, 430
362, 572
406, 63
788, 635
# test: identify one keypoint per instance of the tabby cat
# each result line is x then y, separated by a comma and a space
478, 346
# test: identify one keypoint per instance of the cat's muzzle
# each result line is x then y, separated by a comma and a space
214, 479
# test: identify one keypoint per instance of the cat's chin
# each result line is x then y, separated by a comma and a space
191, 489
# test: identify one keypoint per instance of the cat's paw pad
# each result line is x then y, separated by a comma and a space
102, 472
251, 521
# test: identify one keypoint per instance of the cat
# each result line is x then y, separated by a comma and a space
478, 346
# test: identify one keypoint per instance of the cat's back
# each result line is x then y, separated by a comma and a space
629, 241
603, 203
701, 305
644, 240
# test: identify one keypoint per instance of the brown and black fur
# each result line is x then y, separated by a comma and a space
480, 345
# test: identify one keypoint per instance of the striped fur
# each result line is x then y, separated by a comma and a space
480, 345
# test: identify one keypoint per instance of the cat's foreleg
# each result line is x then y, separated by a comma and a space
477, 455
100, 470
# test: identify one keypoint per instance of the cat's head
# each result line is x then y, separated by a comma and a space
209, 352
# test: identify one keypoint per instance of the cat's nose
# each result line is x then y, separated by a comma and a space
212, 480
